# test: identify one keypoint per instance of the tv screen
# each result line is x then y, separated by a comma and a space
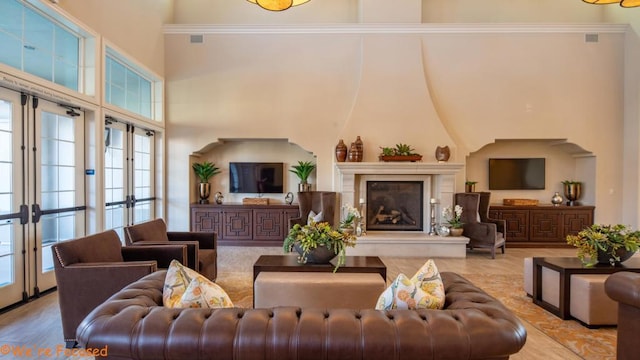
253, 177
517, 174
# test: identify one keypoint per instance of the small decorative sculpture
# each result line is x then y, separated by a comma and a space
218, 198
442, 153
289, 198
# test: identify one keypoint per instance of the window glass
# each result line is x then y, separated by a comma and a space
38, 45
127, 88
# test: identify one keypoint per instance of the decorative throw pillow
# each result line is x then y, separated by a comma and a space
424, 290
184, 287
202, 293
313, 217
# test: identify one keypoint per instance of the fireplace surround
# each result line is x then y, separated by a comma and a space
438, 182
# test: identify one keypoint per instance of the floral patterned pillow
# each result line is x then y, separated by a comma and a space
424, 290
184, 287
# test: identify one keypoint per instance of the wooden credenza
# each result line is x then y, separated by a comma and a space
542, 226
246, 225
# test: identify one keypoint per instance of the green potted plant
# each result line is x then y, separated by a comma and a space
302, 171
470, 186
318, 243
401, 152
204, 171
605, 244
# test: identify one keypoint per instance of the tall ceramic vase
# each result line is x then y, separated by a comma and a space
341, 151
204, 190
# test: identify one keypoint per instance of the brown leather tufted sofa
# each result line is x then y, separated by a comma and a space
624, 287
132, 324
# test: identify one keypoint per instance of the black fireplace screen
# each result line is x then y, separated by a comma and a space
394, 205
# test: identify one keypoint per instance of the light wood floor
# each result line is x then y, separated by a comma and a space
37, 323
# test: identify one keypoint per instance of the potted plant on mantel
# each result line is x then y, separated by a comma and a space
302, 171
319, 243
204, 171
605, 244
402, 152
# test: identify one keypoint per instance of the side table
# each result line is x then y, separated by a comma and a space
567, 266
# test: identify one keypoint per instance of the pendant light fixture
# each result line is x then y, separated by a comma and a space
277, 5
623, 3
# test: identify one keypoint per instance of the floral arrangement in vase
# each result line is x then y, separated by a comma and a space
321, 237
453, 216
351, 217
605, 244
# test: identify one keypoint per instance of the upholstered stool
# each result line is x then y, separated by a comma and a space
550, 283
318, 289
589, 303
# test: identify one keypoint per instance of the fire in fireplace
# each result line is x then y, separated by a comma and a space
394, 205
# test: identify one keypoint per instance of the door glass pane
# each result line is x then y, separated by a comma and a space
58, 182
142, 176
114, 179
143, 211
7, 250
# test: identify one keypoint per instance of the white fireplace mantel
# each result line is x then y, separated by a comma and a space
399, 167
439, 183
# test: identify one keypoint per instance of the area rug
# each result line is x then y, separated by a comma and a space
596, 344
590, 344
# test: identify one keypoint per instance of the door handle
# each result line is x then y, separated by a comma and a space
36, 213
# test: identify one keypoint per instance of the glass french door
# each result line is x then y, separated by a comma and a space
129, 175
41, 190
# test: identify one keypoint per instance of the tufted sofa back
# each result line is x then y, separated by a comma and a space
133, 324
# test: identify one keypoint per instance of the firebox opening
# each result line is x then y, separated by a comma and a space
394, 205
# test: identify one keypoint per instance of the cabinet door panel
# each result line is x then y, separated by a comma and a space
268, 224
237, 225
575, 221
517, 223
206, 220
546, 225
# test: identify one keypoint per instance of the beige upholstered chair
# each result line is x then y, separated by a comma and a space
202, 249
481, 233
90, 269
318, 201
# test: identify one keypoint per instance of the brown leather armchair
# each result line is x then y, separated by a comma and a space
202, 248
318, 201
90, 269
481, 234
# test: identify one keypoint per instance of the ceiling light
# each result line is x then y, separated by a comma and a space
277, 5
623, 3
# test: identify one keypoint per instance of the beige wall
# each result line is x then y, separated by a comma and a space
484, 85
134, 26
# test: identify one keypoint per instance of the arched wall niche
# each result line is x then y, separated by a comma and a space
224, 151
563, 161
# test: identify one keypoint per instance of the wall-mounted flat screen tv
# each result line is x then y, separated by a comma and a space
517, 174
256, 177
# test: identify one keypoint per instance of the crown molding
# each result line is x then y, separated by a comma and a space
172, 29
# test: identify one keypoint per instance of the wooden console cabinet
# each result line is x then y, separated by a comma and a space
248, 225
542, 226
